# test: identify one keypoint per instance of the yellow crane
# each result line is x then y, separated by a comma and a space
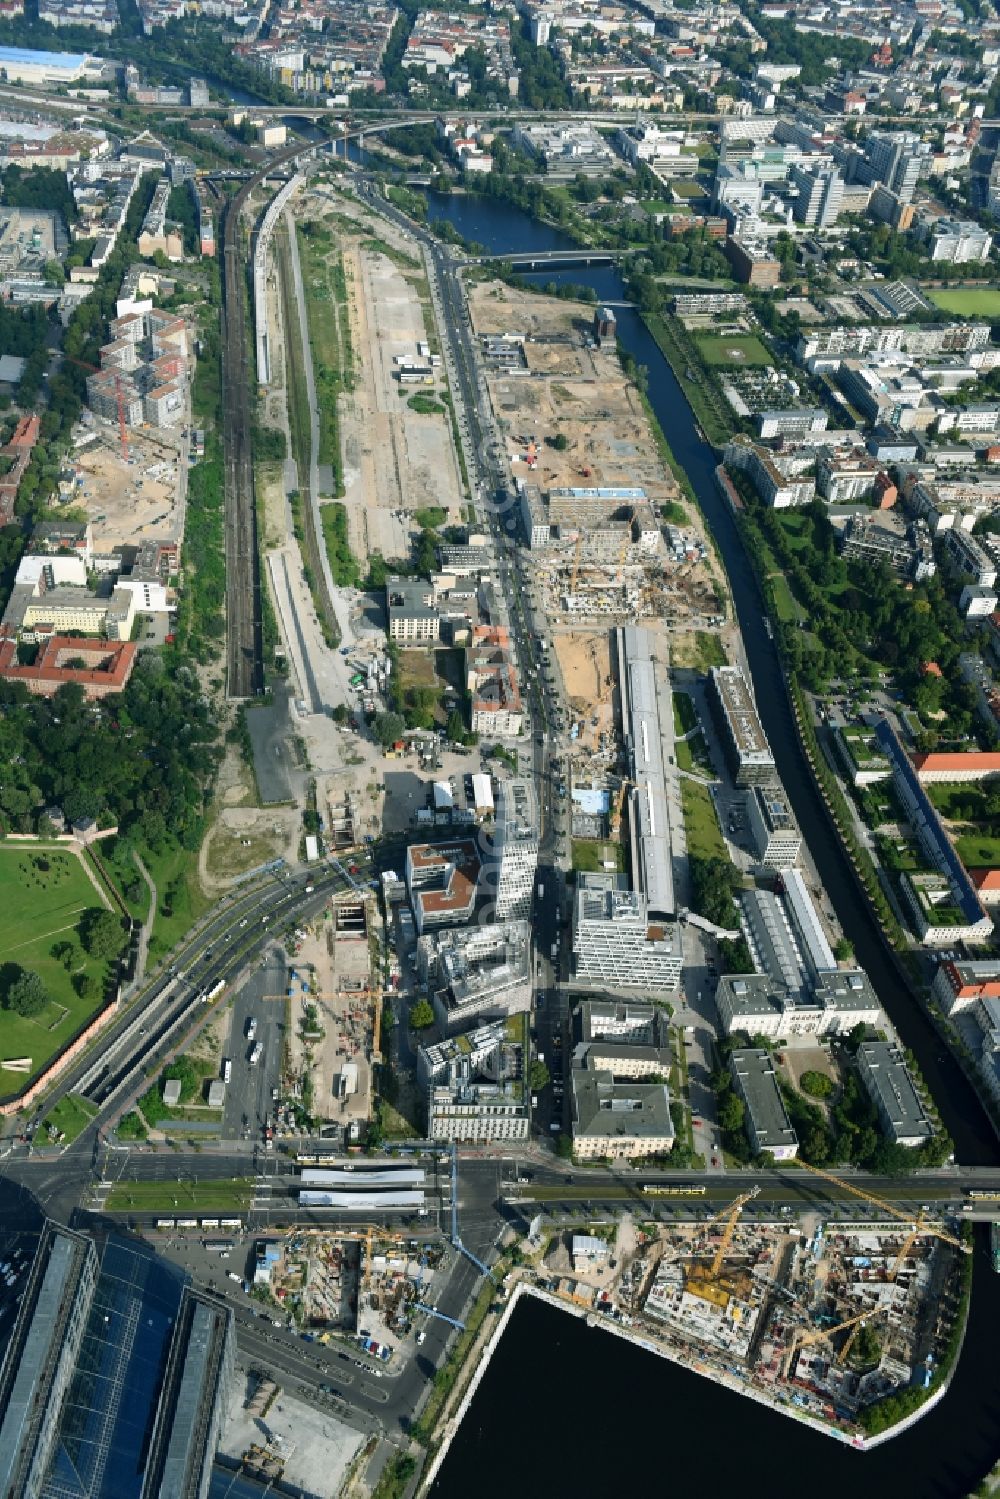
732, 1217
576, 563
803, 1336
918, 1226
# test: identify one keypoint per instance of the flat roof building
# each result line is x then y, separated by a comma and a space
744, 740
766, 1119
41, 1355
618, 942
626, 1040
515, 849
192, 1401
412, 617
476, 972
441, 881
647, 717
623, 1120
755, 1004
959, 986
477, 1084
775, 833
889, 1086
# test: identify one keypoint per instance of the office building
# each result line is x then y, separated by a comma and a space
475, 973
894, 161
193, 1400
618, 1120
775, 833
441, 880
40, 1358
757, 1004
889, 1086
412, 617
766, 1119
647, 726
515, 849
745, 743
753, 264
776, 482
617, 942
799, 421
820, 195
626, 1039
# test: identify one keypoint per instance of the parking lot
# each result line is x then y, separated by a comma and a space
249, 1101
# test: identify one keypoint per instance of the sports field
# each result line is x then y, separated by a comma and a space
739, 351
44, 890
968, 301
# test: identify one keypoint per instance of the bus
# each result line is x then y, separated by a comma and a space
164, 1224
218, 1246
230, 1222
978, 1195
187, 1223
656, 1191
215, 991
210, 1223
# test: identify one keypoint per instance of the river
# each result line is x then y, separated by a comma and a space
571, 1411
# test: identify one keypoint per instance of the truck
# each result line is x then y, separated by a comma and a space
541, 892
256, 1054
251, 1028
227, 1069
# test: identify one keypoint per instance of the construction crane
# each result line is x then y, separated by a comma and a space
626, 539
732, 1217
919, 1225
576, 563
803, 1336
120, 398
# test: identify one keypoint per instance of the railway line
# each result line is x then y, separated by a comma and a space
244, 614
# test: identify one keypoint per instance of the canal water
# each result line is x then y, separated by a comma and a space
501, 228
569, 1410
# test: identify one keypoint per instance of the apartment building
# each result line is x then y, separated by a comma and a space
491, 680
477, 1086
766, 472
476, 972
441, 881
958, 241
960, 985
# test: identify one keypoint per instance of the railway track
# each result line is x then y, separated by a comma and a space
244, 613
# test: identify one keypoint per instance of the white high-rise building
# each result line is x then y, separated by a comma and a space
515, 849
618, 942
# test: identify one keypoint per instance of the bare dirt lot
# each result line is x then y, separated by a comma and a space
130, 502
332, 1013
585, 662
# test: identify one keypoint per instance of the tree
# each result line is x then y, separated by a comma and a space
102, 934
843, 950
421, 1015
560, 442
731, 1114
387, 728
538, 1076
339, 713
86, 986
816, 1084
65, 953
27, 994
456, 727
53, 273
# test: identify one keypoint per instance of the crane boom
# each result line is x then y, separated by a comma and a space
918, 1224
732, 1215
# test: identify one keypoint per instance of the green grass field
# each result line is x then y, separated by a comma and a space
704, 840
69, 1118
739, 351
979, 851
181, 1196
969, 301
44, 890
589, 854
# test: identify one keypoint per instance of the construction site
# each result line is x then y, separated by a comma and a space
371, 1286
333, 1014
827, 1317
128, 493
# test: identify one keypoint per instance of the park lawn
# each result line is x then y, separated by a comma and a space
978, 851
183, 1195
781, 595
740, 351
180, 898
685, 713
704, 840
968, 301
69, 1118
39, 908
589, 855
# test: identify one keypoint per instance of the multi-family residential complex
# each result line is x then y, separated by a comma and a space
144, 370
476, 972
491, 679
476, 1084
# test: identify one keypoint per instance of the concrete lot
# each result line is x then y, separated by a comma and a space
316, 1448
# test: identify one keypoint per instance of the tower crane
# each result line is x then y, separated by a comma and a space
576, 563
732, 1216
803, 1336
919, 1225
